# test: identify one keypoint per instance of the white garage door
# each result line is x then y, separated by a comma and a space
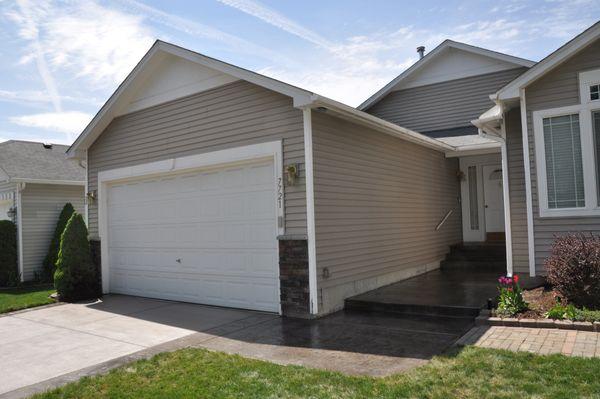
205, 237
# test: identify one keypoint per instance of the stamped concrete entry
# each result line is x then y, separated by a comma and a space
44, 348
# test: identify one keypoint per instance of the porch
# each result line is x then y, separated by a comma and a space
461, 287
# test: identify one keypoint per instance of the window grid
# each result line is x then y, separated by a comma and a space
473, 200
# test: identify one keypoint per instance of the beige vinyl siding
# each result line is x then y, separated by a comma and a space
41, 205
7, 190
518, 201
7, 187
229, 116
558, 88
378, 200
443, 105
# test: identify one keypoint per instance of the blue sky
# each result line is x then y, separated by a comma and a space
62, 59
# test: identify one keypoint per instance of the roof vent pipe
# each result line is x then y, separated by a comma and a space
421, 51
47, 146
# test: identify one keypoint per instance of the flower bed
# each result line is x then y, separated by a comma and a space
540, 307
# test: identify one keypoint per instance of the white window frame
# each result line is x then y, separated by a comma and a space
584, 109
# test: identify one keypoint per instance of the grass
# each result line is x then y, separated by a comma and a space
470, 373
12, 299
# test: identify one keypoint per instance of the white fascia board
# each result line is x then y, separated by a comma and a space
346, 112
54, 182
433, 54
512, 90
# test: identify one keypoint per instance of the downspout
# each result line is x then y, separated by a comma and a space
20, 188
491, 133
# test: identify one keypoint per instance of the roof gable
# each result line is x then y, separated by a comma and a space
565, 52
449, 61
139, 89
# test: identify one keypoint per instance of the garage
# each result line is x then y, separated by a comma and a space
205, 235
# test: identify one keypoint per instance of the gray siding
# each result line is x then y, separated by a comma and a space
378, 200
516, 181
41, 205
444, 105
558, 88
229, 116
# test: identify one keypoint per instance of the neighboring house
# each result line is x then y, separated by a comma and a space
36, 181
214, 184
548, 123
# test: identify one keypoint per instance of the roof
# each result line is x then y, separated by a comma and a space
512, 89
26, 161
434, 54
301, 98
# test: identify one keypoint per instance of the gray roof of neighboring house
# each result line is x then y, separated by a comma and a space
32, 161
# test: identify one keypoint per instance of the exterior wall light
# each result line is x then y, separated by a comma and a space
291, 174
91, 196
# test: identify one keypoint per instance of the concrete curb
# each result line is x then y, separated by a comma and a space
485, 319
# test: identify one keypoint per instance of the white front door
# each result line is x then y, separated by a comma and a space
206, 237
493, 198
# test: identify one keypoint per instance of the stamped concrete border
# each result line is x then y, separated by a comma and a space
486, 319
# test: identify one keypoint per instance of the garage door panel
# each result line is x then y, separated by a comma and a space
220, 224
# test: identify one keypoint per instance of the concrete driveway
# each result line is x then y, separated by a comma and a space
48, 347
41, 344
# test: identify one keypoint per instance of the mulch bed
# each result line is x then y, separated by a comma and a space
540, 301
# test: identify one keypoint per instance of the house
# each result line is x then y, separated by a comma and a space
217, 185
547, 121
36, 181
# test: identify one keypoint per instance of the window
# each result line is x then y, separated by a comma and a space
567, 154
596, 128
595, 92
564, 168
473, 202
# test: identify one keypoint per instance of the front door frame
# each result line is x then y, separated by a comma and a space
476, 162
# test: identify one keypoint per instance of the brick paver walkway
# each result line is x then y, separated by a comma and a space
542, 341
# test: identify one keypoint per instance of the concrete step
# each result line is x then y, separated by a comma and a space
476, 256
411, 309
475, 266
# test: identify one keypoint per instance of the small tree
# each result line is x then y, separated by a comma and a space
76, 276
9, 273
52, 256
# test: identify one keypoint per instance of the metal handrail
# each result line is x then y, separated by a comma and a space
441, 223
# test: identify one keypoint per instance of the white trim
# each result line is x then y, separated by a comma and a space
585, 38
310, 212
86, 206
584, 112
506, 198
54, 182
528, 190
20, 187
432, 55
243, 154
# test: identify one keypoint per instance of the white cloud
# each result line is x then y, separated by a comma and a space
40, 98
274, 18
69, 122
196, 29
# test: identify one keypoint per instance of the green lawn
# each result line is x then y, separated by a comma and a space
470, 373
24, 297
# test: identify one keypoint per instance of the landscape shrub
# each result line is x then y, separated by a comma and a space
49, 265
574, 269
510, 300
9, 270
76, 277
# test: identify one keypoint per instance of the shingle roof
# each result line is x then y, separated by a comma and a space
31, 161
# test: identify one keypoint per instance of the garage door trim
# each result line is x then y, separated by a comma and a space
213, 159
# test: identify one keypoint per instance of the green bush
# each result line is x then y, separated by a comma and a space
9, 270
50, 260
76, 277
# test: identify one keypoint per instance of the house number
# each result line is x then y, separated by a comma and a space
279, 192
